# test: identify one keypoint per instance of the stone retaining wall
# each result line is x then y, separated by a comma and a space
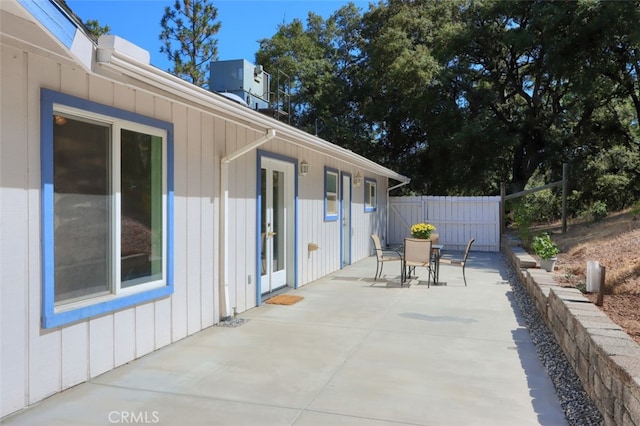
606, 359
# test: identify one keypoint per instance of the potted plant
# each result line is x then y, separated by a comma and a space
422, 230
546, 250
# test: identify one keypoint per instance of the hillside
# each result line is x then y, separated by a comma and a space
615, 243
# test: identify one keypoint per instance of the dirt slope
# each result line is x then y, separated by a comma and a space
615, 243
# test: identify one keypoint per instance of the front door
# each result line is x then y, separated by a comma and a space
277, 224
345, 213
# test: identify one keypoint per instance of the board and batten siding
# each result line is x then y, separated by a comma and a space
312, 228
36, 363
457, 220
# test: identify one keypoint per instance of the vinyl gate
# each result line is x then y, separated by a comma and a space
457, 220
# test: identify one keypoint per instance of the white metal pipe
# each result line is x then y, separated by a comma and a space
225, 306
398, 185
270, 134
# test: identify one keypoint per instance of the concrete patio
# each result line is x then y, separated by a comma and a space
352, 352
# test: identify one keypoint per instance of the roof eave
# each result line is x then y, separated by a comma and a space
110, 56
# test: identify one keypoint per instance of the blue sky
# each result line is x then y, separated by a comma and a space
244, 22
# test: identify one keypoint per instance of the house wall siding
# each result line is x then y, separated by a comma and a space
14, 226
241, 222
326, 234
35, 362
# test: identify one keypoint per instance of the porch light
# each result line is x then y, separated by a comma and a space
357, 180
304, 168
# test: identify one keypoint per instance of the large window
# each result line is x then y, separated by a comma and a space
330, 194
370, 195
106, 185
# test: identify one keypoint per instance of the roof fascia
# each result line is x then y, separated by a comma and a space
110, 58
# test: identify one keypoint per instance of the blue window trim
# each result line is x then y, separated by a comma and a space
266, 154
368, 209
50, 318
331, 217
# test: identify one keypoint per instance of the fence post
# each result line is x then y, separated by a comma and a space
565, 187
600, 299
502, 207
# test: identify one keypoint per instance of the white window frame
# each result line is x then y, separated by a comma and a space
63, 312
331, 216
370, 195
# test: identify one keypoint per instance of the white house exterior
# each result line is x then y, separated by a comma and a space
137, 209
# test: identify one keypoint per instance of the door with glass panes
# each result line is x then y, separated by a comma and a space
277, 224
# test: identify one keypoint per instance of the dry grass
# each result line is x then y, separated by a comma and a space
614, 243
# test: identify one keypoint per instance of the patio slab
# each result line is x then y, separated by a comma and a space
352, 352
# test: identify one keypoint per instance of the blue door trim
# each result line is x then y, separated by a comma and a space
265, 154
342, 207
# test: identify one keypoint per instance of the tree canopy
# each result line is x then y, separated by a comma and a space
191, 24
464, 95
95, 28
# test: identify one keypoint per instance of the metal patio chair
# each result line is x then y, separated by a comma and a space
383, 256
460, 262
417, 253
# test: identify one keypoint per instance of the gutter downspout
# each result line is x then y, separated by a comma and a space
386, 231
225, 308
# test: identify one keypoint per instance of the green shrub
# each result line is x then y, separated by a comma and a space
611, 175
542, 206
595, 212
544, 247
635, 210
613, 190
522, 222
575, 203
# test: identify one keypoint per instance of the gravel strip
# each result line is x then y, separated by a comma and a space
578, 408
232, 322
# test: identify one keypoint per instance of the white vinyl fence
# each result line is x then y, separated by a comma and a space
457, 220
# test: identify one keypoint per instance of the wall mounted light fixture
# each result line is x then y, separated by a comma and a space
357, 179
303, 168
